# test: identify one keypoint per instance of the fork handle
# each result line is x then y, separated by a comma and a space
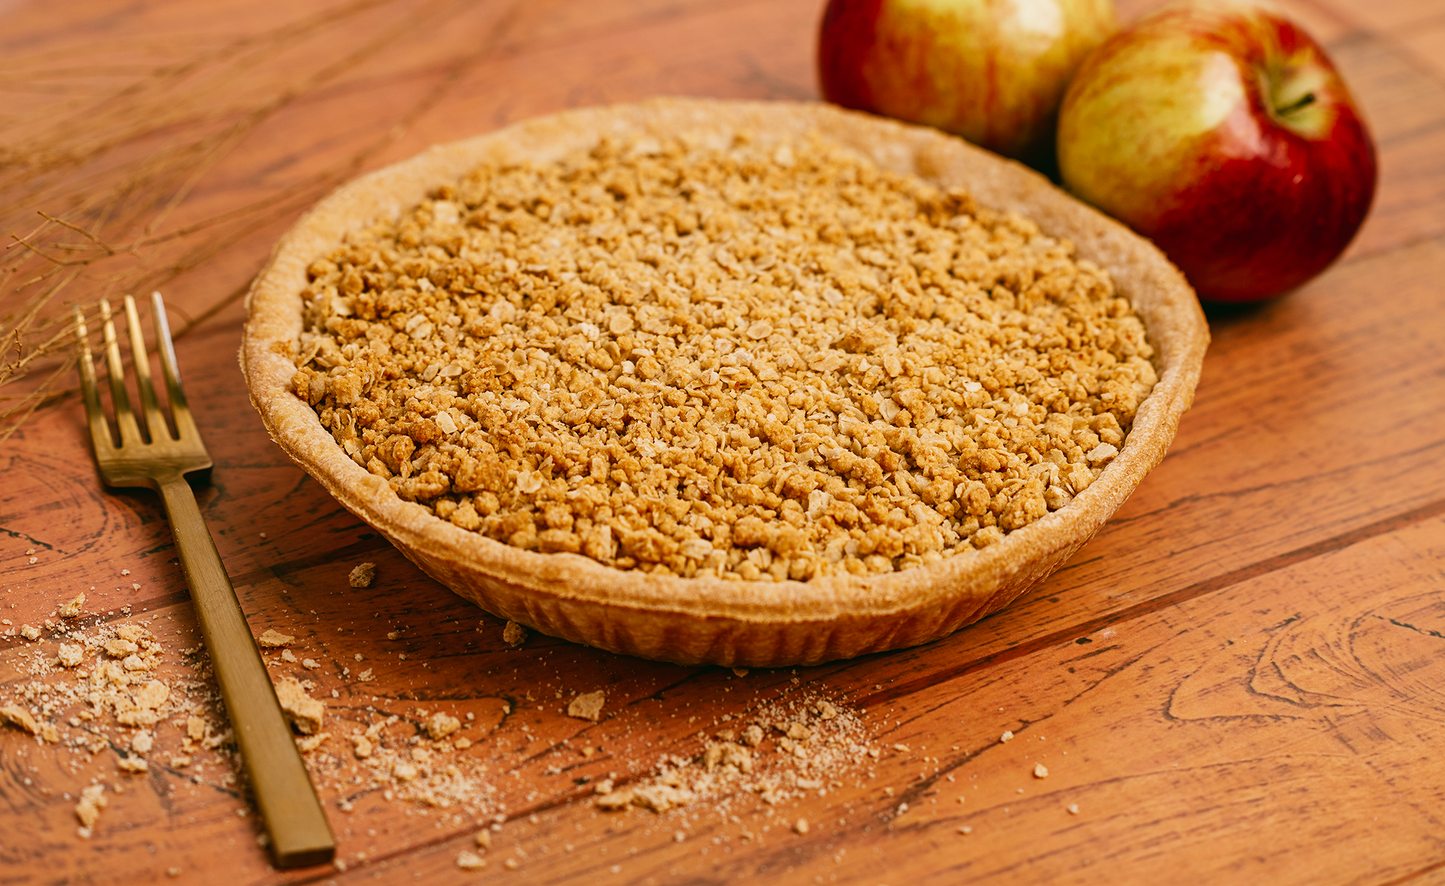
289, 806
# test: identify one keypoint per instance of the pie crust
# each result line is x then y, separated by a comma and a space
705, 619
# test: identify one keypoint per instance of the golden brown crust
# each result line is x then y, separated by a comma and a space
706, 619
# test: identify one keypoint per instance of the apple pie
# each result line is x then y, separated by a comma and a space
750, 384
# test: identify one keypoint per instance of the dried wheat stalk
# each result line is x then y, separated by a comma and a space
104, 157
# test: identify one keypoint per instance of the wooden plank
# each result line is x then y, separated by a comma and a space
1233, 736
1388, 15
1249, 615
1404, 104
1426, 42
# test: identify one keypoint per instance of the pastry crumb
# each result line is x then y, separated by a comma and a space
514, 635
92, 800
308, 743
777, 771
18, 716
362, 575
131, 764
73, 608
440, 725
587, 706
470, 861
303, 712
274, 639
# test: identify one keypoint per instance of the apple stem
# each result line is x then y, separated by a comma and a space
1304, 102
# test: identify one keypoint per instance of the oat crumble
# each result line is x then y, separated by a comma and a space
767, 362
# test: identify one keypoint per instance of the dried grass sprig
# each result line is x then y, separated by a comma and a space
114, 152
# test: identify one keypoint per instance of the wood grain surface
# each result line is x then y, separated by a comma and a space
1240, 679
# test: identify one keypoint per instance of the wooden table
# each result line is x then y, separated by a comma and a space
1240, 679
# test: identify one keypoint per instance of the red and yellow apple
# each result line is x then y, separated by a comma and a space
1225, 134
992, 71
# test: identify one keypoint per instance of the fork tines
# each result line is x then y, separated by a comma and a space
156, 426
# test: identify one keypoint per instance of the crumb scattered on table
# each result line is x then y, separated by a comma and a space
440, 725
274, 639
18, 716
73, 608
363, 575
514, 634
470, 861
304, 712
92, 800
587, 706
806, 753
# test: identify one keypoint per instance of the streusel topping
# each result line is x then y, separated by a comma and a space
771, 361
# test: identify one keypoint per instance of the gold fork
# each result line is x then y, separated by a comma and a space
294, 820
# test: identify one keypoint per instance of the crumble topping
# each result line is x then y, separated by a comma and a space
774, 361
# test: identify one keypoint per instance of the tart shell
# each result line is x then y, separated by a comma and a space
710, 620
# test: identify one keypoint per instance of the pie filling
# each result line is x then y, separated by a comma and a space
767, 361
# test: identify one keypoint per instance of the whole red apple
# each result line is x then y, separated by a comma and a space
992, 71
1223, 133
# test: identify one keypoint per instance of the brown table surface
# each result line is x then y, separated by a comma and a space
1240, 679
